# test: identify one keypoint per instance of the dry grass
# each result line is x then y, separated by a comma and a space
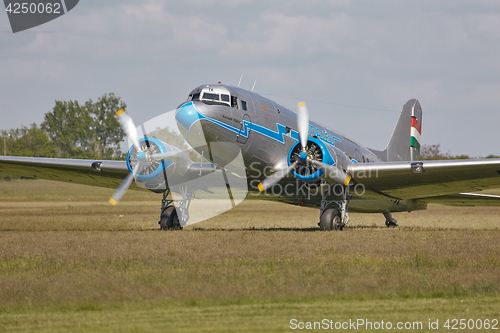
59, 255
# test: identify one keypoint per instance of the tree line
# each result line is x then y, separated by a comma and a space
72, 130
433, 152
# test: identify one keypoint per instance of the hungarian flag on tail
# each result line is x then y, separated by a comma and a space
416, 131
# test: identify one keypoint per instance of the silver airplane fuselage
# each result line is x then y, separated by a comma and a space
266, 133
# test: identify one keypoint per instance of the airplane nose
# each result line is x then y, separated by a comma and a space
187, 114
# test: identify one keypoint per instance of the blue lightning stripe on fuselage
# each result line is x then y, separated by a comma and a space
187, 119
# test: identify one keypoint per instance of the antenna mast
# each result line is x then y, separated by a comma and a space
241, 77
254, 85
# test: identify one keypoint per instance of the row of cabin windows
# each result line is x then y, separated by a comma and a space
216, 97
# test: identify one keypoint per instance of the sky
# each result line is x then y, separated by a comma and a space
355, 63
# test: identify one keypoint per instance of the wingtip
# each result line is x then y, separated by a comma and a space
119, 112
301, 104
261, 188
112, 201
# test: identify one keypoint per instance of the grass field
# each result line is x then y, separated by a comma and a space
69, 261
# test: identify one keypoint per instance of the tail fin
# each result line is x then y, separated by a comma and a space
404, 144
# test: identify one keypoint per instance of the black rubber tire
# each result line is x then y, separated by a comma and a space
330, 220
392, 223
169, 219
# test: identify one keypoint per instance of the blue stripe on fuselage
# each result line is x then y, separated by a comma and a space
187, 119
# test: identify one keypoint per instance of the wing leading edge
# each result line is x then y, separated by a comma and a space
101, 173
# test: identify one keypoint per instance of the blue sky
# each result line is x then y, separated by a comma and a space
355, 63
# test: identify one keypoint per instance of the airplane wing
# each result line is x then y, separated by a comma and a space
103, 173
88, 172
448, 181
466, 199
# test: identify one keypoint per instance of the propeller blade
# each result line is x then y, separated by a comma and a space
275, 177
334, 172
120, 191
129, 127
303, 123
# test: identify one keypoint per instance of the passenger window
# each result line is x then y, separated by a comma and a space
224, 98
244, 105
234, 101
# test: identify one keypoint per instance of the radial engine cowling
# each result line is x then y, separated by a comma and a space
153, 171
317, 153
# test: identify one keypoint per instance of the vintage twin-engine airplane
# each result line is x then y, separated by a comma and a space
284, 157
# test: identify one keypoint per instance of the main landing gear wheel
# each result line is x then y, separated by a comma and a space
390, 221
330, 220
169, 219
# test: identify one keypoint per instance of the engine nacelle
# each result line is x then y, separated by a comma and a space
153, 171
315, 150
340, 158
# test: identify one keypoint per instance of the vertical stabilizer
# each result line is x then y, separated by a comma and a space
404, 144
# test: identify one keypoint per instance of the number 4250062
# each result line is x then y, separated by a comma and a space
462, 324
33, 8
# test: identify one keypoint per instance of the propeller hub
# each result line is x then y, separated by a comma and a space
302, 156
141, 156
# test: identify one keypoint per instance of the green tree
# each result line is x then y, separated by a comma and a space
107, 132
169, 136
86, 131
433, 152
175, 139
68, 126
30, 141
461, 157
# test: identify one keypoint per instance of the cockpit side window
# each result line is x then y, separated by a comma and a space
244, 105
234, 101
194, 97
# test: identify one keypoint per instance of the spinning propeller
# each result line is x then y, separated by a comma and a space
144, 158
303, 158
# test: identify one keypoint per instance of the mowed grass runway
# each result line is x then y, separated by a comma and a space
69, 261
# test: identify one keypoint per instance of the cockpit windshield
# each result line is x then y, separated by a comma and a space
210, 96
213, 96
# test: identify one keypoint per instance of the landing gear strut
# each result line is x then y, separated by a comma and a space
335, 218
389, 220
169, 218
